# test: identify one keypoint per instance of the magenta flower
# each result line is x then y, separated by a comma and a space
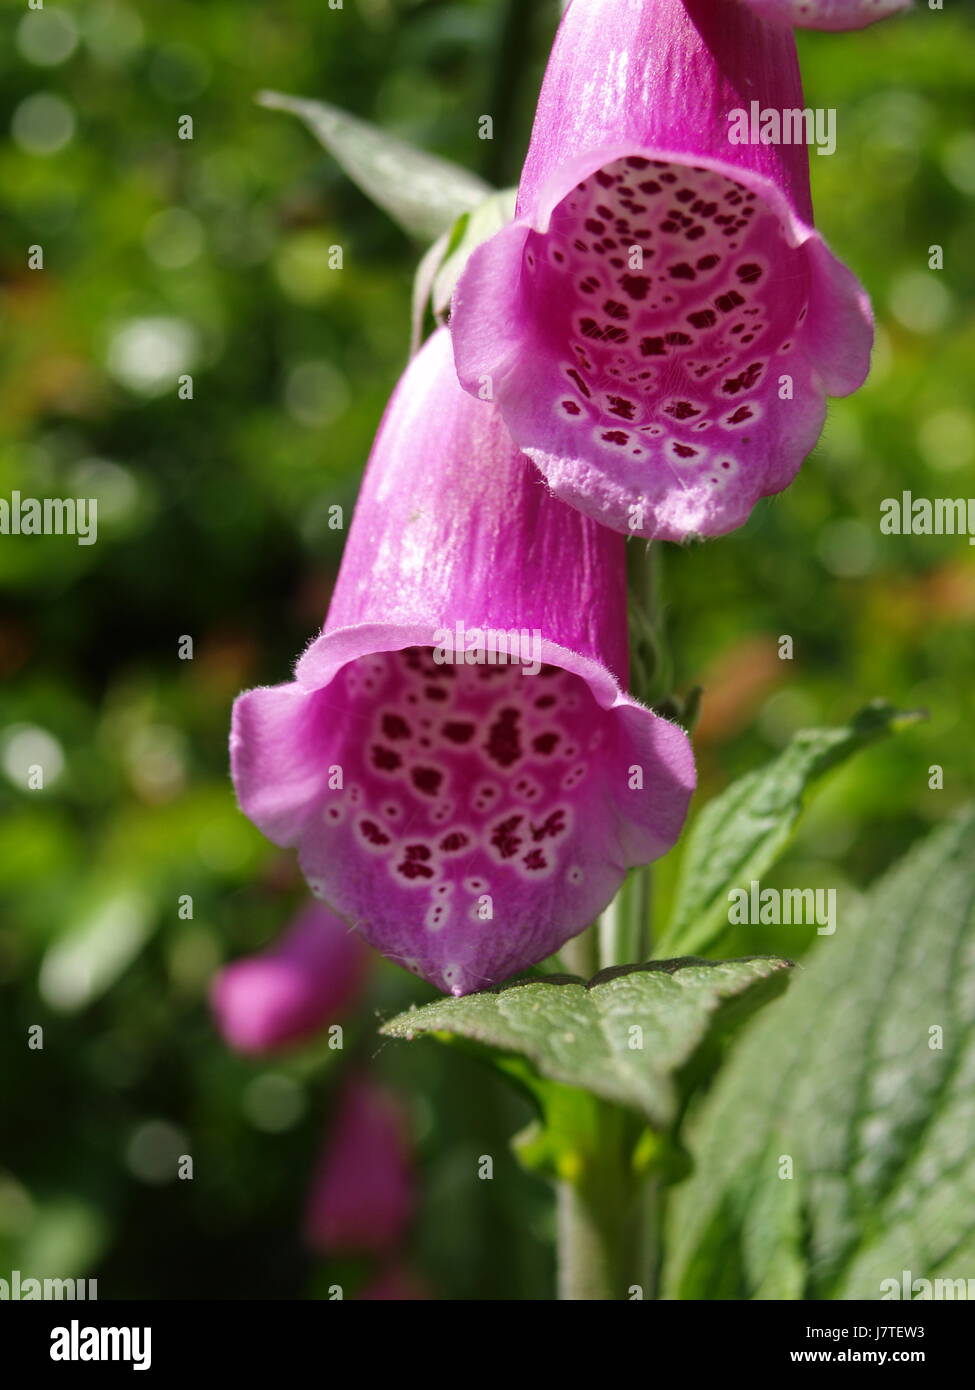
826, 14
362, 1194
660, 324
467, 818
302, 983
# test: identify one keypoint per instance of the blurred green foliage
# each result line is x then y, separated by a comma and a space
210, 257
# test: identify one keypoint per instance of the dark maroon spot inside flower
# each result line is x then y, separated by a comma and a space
590, 328
748, 274
545, 702
742, 414
682, 271
614, 436
681, 410
393, 725
545, 743
503, 837
571, 408
413, 870
684, 451
615, 335
703, 318
553, 824
729, 301
592, 224
637, 161
603, 179
451, 843
678, 340
433, 692
426, 780
615, 309
458, 731
589, 285
619, 405
744, 380
652, 347
372, 833
504, 740
384, 758
579, 381
636, 286
534, 859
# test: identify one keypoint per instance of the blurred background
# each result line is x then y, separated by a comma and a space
209, 257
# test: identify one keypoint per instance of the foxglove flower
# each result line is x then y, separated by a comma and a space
302, 983
660, 324
362, 1194
826, 14
467, 818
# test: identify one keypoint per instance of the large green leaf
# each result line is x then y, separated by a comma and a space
425, 195
622, 1037
741, 833
850, 1080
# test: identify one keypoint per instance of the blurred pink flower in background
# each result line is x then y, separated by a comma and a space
362, 1193
395, 1283
300, 984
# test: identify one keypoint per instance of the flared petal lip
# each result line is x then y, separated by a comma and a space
499, 354
332, 650
582, 166
561, 181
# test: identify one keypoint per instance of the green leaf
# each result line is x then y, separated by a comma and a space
475, 227
443, 264
849, 1079
422, 193
741, 833
624, 1036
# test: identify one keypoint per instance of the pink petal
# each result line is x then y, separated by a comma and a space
296, 987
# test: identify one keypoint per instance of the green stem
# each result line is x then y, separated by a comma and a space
608, 1217
595, 1226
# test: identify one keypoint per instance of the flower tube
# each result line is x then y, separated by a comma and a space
660, 325
301, 984
456, 760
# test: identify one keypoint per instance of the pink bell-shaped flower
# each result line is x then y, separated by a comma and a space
661, 323
456, 759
